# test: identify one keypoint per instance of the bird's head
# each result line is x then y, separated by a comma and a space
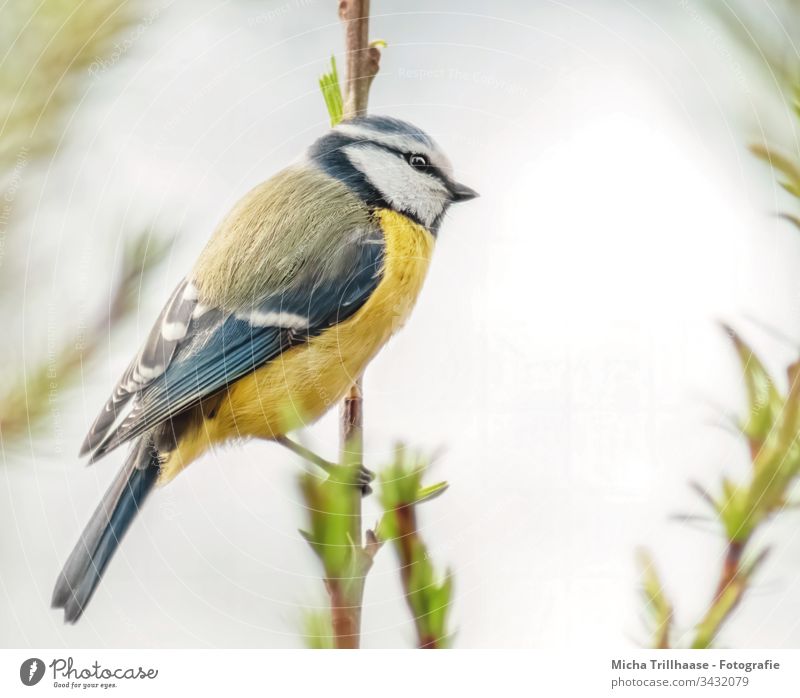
393, 164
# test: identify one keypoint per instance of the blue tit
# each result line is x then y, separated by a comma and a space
298, 288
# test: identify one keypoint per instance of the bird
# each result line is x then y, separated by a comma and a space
297, 289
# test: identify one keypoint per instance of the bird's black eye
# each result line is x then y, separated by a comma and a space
418, 162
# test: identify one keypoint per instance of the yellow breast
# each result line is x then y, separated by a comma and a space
299, 386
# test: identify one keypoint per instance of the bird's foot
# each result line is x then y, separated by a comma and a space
363, 477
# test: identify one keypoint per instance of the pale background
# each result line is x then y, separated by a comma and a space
565, 350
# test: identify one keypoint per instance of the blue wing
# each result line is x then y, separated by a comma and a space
219, 347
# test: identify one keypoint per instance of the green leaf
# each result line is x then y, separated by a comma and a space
318, 630
426, 494
764, 400
329, 505
400, 492
332, 93
657, 606
781, 164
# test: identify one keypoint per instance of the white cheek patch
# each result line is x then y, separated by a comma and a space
406, 144
403, 187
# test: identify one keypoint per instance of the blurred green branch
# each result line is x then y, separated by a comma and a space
657, 604
428, 597
57, 47
772, 427
27, 400
772, 431
318, 631
56, 43
347, 563
344, 560
741, 21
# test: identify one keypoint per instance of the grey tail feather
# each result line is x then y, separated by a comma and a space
119, 506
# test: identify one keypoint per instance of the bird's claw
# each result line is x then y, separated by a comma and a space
363, 479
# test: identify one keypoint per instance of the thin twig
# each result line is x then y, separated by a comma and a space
363, 59
731, 587
345, 616
428, 594
362, 66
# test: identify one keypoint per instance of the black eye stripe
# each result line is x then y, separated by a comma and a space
428, 169
434, 172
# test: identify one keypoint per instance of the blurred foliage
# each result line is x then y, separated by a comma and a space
51, 46
52, 49
765, 33
333, 505
772, 431
428, 596
768, 41
318, 631
25, 402
658, 607
330, 507
772, 425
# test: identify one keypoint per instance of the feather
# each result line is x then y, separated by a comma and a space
150, 362
295, 287
120, 504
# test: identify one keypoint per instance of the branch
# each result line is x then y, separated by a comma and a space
731, 587
335, 505
363, 62
772, 425
772, 428
25, 403
351, 439
346, 608
329, 503
363, 58
428, 597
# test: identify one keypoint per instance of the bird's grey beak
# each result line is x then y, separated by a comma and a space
461, 192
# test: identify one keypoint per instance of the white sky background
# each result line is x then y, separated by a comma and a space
564, 350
